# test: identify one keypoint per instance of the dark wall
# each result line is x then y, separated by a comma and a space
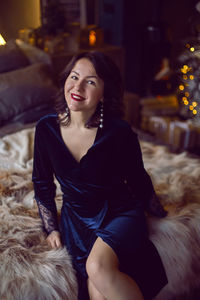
18, 14
158, 28
179, 14
148, 30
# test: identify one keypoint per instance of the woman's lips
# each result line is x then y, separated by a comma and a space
77, 97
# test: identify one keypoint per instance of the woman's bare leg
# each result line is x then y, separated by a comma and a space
93, 292
103, 272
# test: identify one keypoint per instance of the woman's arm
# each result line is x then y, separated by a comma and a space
43, 180
137, 177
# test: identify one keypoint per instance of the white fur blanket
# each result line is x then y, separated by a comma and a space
30, 270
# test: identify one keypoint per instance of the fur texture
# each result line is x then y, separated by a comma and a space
30, 270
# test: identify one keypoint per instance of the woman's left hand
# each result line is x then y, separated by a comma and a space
54, 239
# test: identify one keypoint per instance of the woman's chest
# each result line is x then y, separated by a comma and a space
95, 159
78, 142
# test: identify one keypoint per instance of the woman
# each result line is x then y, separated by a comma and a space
96, 158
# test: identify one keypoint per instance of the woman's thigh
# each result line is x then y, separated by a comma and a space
101, 256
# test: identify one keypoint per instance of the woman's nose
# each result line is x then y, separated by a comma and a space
79, 85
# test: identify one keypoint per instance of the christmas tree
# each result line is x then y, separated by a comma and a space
189, 71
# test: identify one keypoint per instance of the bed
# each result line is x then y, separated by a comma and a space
29, 269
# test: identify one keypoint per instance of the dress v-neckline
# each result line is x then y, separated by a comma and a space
66, 147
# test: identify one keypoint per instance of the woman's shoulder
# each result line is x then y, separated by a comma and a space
47, 121
120, 126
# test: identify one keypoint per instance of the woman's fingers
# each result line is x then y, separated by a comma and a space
54, 240
58, 243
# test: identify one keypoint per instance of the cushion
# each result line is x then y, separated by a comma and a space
11, 57
23, 89
34, 54
33, 114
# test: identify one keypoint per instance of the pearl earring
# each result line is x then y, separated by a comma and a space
101, 116
67, 112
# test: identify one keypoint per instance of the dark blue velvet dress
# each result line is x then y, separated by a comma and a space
104, 195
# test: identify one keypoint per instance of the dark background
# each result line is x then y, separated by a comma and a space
148, 30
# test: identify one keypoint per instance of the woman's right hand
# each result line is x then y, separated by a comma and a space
54, 240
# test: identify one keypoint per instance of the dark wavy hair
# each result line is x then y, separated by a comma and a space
113, 88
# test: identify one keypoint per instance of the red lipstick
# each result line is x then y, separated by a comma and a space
77, 97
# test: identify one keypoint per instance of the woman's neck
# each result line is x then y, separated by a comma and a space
79, 118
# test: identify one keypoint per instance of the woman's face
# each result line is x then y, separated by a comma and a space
83, 88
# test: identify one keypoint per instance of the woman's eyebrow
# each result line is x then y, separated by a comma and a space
92, 76
75, 72
89, 76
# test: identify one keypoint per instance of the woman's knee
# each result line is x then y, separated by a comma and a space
102, 262
100, 273
94, 267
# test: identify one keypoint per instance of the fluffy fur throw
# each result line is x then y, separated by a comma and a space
30, 270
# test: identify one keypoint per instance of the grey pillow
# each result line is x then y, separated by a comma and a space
12, 57
23, 89
34, 54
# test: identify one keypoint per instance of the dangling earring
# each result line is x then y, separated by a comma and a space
67, 112
101, 116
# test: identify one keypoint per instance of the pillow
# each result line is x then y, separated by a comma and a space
11, 57
33, 114
34, 54
23, 89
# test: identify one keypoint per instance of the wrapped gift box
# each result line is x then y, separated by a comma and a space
159, 127
182, 135
156, 113
197, 137
160, 106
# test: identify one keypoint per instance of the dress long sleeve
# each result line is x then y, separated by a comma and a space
137, 177
44, 186
97, 201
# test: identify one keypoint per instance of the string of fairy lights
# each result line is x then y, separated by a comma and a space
189, 88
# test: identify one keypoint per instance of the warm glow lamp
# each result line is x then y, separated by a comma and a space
2, 41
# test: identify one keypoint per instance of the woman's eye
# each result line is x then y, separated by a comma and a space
91, 82
74, 77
